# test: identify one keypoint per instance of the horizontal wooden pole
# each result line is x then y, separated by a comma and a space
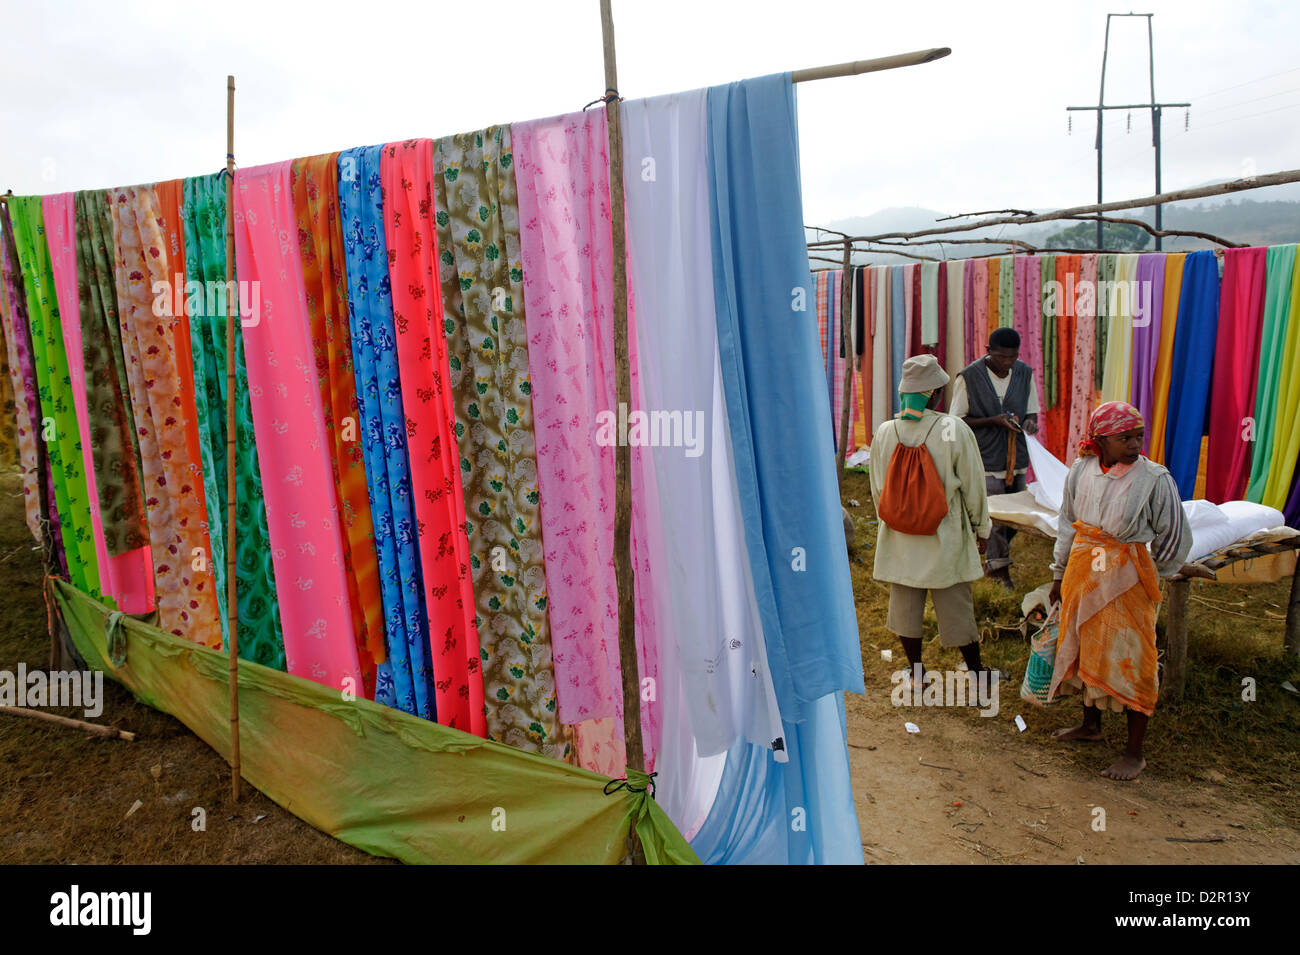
871, 66
99, 729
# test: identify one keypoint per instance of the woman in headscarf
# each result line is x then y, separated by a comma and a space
1116, 502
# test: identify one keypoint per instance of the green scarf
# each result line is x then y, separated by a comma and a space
913, 403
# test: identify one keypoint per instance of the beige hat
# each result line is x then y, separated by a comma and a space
922, 373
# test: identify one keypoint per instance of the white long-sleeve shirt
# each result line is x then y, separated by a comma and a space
1139, 504
948, 556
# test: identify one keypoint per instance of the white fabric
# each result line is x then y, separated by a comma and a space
725, 690
955, 360
1216, 526
930, 303
1049, 475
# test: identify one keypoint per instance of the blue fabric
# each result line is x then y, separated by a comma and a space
1192, 366
897, 329
774, 382
800, 812
405, 680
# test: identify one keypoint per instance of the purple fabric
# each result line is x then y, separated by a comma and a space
1146, 335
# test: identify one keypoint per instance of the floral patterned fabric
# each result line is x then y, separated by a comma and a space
302, 511
260, 640
406, 175
54, 387
477, 217
186, 598
320, 241
405, 679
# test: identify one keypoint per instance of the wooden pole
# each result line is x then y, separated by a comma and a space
623, 572
871, 66
99, 729
1291, 636
232, 607
1171, 687
846, 342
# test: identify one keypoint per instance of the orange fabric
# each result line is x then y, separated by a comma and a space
1058, 417
320, 241
1164, 360
863, 434
170, 195
1109, 598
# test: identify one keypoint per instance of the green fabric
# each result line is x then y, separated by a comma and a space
115, 450
477, 218
913, 403
1006, 292
1279, 269
1106, 265
260, 638
54, 386
382, 780
1047, 274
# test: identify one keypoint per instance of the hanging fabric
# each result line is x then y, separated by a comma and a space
13, 312
1006, 292
862, 383
1174, 263
1286, 429
928, 275
1192, 365
1118, 359
955, 332
562, 174
260, 638
324, 271
66, 464
302, 512
1107, 307
477, 221
405, 679
882, 352
406, 175
1236, 372
1146, 336
1083, 348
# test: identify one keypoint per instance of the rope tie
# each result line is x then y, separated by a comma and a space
636, 781
116, 638
611, 96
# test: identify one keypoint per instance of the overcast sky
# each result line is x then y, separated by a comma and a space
106, 94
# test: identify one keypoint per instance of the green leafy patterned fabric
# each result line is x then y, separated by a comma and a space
54, 386
260, 638
481, 274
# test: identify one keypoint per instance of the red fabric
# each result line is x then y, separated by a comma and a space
1058, 416
914, 336
1236, 368
941, 350
406, 173
1113, 417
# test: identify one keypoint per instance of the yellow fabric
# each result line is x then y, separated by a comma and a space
1168, 322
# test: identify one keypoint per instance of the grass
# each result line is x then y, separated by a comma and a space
1250, 748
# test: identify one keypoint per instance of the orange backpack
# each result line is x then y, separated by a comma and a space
913, 499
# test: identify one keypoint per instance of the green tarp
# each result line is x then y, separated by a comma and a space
379, 779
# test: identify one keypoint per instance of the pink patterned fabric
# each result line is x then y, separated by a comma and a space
909, 346
980, 340
301, 505
1031, 339
1082, 399
127, 578
409, 230
562, 172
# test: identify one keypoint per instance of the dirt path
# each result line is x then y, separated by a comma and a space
1006, 797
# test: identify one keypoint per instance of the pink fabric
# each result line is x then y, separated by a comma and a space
562, 173
1084, 388
979, 338
1019, 307
301, 505
1236, 369
1031, 340
411, 235
908, 345
127, 578
968, 313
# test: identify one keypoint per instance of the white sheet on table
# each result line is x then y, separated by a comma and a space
1048, 486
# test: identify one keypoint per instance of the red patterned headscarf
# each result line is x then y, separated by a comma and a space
1113, 417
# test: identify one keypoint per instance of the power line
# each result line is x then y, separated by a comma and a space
1228, 89
1220, 109
1251, 116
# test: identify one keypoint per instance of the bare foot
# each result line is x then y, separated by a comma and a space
1079, 734
1126, 767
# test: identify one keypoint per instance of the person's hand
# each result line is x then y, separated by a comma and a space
1008, 421
982, 544
1054, 595
1030, 424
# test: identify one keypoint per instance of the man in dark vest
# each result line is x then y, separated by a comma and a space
997, 398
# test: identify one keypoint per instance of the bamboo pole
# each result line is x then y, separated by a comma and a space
232, 611
871, 66
99, 729
623, 571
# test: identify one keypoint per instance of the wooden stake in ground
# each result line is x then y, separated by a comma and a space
232, 608
623, 572
99, 729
